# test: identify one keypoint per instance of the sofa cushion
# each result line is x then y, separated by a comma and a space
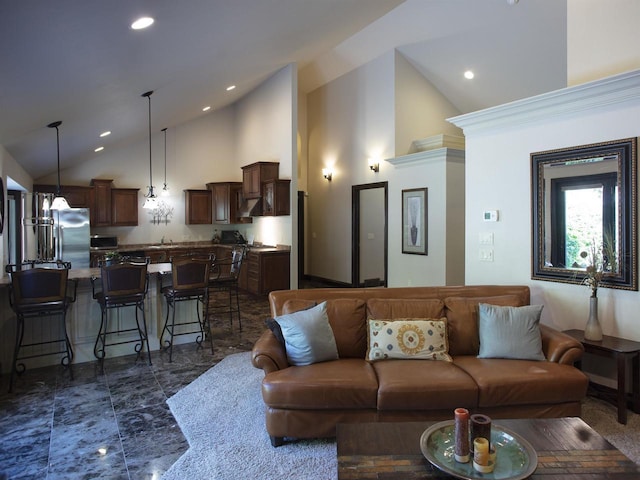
346, 383
510, 332
410, 385
462, 320
405, 308
411, 339
504, 382
308, 336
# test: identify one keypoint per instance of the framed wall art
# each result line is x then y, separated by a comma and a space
414, 221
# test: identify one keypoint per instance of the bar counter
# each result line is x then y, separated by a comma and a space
83, 320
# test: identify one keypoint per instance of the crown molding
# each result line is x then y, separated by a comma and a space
563, 103
427, 156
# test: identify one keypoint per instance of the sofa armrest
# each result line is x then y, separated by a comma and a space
268, 353
559, 347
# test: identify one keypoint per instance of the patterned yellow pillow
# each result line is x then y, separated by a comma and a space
424, 339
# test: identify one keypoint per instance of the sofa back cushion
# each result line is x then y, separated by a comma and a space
462, 320
390, 308
347, 320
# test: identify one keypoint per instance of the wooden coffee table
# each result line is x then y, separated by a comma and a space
567, 448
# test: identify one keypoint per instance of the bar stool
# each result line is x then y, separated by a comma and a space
123, 284
190, 281
224, 278
40, 290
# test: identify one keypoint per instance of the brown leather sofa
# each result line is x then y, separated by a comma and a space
309, 401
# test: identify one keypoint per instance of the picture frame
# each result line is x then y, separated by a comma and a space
414, 221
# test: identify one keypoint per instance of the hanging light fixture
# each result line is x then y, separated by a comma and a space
59, 202
150, 199
165, 188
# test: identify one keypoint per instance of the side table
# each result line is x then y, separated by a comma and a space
621, 350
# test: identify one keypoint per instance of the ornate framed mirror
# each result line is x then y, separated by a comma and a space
584, 198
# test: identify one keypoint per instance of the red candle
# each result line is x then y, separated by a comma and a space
461, 435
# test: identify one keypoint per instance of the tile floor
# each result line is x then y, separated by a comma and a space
113, 424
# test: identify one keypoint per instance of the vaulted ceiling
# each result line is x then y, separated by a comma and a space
80, 62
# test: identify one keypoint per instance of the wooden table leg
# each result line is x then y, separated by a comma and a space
622, 388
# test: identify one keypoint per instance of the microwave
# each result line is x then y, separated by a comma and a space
104, 242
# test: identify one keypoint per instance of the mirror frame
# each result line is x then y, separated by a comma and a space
626, 152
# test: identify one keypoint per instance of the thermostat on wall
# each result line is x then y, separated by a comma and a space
490, 215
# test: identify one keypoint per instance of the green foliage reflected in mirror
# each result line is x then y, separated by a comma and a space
584, 200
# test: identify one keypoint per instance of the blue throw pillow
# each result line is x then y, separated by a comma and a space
510, 332
308, 336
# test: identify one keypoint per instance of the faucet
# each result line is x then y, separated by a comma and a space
162, 240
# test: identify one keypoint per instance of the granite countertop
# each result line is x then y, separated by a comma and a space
178, 245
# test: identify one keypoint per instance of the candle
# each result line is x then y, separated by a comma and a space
480, 427
461, 435
481, 455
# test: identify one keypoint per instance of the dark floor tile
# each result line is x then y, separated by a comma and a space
151, 439
78, 404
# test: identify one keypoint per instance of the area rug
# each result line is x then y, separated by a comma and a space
222, 416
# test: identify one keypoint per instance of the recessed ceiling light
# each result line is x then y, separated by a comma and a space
104, 134
99, 149
208, 107
469, 75
142, 22
230, 87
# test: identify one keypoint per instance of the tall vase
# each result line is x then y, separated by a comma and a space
593, 330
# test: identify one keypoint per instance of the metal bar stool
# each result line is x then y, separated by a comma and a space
224, 278
190, 281
39, 290
123, 284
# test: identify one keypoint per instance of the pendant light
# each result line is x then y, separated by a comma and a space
150, 199
165, 188
59, 202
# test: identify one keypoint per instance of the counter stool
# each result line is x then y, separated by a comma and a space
123, 284
224, 278
189, 282
40, 290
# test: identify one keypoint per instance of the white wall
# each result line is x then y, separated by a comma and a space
266, 132
499, 157
349, 120
358, 116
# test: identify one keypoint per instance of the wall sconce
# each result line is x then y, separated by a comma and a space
327, 173
374, 165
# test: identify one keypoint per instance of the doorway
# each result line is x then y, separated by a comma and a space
369, 205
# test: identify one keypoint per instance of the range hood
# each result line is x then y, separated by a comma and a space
250, 207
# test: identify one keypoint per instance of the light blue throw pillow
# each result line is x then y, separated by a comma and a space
308, 336
510, 332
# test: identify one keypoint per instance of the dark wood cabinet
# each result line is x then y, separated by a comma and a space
227, 199
101, 202
275, 197
124, 207
265, 271
198, 206
77, 196
254, 175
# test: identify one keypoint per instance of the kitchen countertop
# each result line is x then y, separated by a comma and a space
175, 245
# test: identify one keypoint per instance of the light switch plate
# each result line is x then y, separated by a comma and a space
490, 215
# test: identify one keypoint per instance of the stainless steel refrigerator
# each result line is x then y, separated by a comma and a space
71, 232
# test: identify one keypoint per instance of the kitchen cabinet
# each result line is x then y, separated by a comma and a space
124, 207
275, 197
101, 202
254, 175
227, 198
265, 271
198, 207
77, 196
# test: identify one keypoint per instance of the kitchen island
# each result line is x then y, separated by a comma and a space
265, 269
